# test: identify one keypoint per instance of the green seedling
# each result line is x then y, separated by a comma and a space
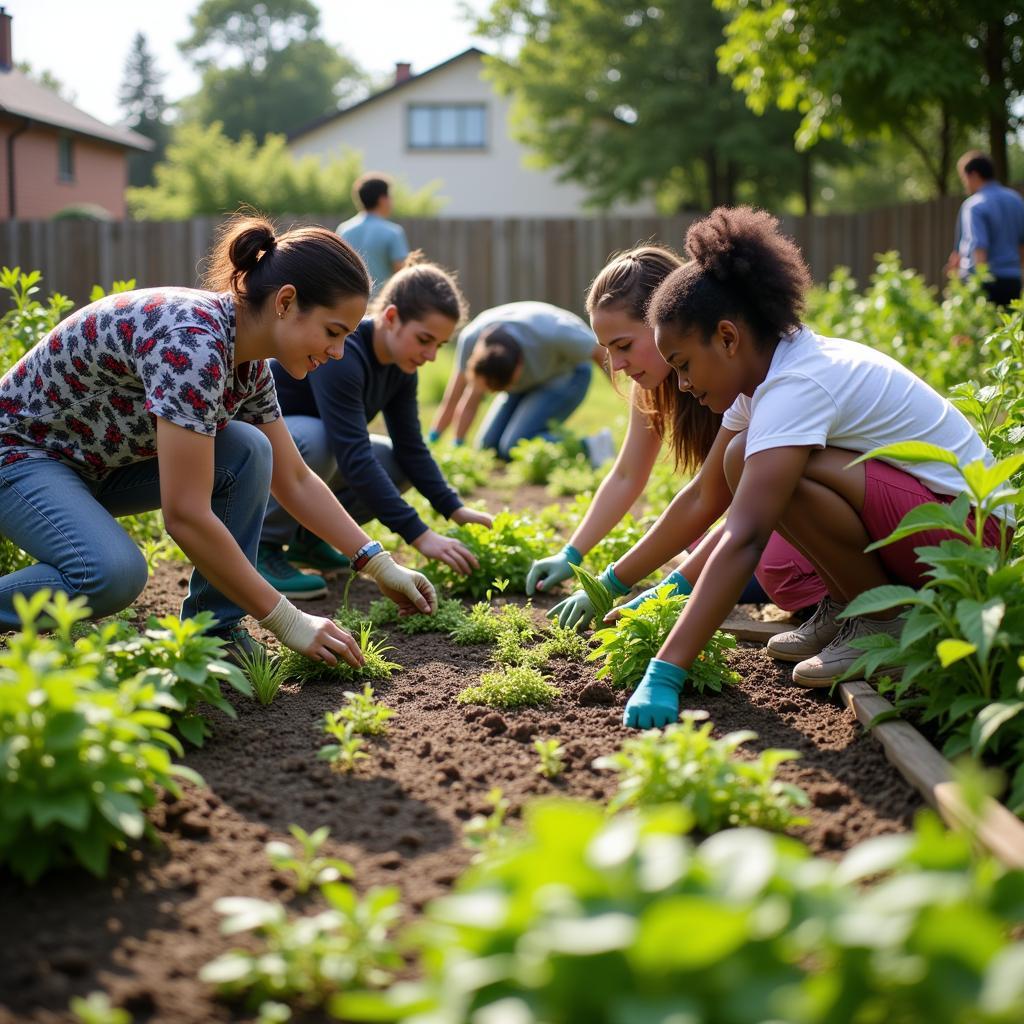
375, 664
364, 714
552, 758
95, 1008
308, 866
266, 672
511, 688
486, 833
346, 754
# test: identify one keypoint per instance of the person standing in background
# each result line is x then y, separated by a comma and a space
380, 242
989, 229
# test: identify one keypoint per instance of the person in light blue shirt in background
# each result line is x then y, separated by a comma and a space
381, 243
989, 229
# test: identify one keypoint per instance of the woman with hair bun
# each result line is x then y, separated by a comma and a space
163, 398
797, 410
329, 415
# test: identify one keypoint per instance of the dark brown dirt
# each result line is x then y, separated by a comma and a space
143, 934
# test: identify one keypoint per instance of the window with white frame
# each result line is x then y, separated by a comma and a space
65, 158
447, 126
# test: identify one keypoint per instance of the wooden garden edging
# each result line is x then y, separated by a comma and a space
999, 831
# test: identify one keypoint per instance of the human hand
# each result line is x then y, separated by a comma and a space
577, 611
318, 638
655, 702
410, 590
547, 573
448, 550
463, 514
680, 585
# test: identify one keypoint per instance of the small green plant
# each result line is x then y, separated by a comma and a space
307, 865
627, 532
27, 320
599, 595
95, 1008
345, 755
486, 624
304, 960
578, 477
533, 459
628, 645
367, 717
552, 757
375, 664
464, 467
486, 833
684, 764
562, 642
511, 688
450, 614
265, 671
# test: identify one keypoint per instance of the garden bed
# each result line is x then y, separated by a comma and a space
143, 934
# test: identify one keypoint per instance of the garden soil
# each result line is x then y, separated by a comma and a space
143, 933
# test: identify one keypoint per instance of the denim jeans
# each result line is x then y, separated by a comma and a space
314, 446
527, 414
69, 525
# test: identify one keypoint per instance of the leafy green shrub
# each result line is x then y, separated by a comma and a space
83, 753
375, 664
28, 320
304, 960
586, 920
308, 866
511, 688
450, 614
685, 765
579, 477
637, 635
616, 542
506, 550
464, 467
532, 460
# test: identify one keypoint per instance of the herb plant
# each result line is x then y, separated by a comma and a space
464, 467
265, 672
366, 716
511, 688
533, 459
346, 754
449, 615
308, 866
375, 664
552, 757
562, 642
636, 636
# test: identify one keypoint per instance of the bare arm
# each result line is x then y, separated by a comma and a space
452, 394
691, 512
472, 396
766, 488
623, 484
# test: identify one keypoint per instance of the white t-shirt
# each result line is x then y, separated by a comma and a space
829, 391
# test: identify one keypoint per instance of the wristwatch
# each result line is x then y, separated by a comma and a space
365, 553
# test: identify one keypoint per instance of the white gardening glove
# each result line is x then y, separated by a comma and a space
411, 591
317, 638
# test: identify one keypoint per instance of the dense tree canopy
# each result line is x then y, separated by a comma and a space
142, 102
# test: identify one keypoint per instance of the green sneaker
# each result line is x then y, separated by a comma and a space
285, 578
314, 553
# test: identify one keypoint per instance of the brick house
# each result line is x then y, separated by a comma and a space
53, 155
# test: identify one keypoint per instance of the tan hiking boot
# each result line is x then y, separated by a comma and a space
810, 637
838, 657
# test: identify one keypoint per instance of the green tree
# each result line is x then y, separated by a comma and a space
145, 109
264, 66
923, 71
207, 174
627, 99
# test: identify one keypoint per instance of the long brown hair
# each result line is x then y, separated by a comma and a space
252, 262
627, 282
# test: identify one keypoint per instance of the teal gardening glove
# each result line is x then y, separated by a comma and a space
548, 572
680, 585
577, 611
655, 702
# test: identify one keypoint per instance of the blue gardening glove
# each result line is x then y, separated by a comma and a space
577, 611
680, 585
548, 572
655, 702
433, 436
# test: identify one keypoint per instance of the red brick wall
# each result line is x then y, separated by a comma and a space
100, 174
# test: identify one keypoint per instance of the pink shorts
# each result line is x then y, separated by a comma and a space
787, 577
889, 494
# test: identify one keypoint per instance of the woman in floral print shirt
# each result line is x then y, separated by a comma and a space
162, 398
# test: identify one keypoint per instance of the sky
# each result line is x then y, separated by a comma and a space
85, 42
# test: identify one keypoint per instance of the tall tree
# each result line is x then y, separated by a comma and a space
924, 71
264, 66
627, 98
142, 101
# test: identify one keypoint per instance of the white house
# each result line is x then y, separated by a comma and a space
448, 124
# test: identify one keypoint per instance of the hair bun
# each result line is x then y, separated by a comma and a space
255, 239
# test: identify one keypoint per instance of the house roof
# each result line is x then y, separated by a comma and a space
20, 96
337, 115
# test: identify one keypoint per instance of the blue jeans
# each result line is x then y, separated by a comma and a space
527, 414
68, 524
314, 446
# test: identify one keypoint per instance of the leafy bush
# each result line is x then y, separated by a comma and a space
511, 688
375, 664
464, 467
83, 752
616, 542
637, 635
506, 550
582, 919
532, 460
579, 477
685, 765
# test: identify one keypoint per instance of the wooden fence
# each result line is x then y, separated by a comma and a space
498, 260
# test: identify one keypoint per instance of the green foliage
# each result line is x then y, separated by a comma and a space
563, 642
637, 635
957, 660
144, 107
586, 919
488, 833
510, 689
507, 550
663, 485
375, 664
306, 959
265, 671
578, 478
552, 757
206, 174
464, 467
28, 320
364, 714
346, 754
533, 459
96, 1009
307, 865
449, 615
84, 752
685, 765
616, 542
601, 599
